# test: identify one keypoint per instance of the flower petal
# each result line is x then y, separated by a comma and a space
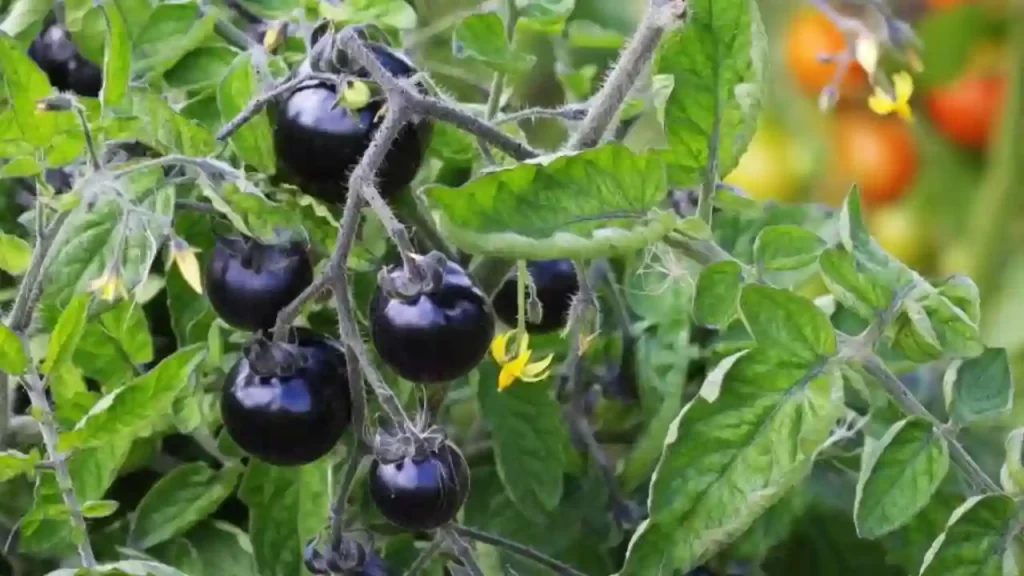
866, 51
536, 369
881, 104
506, 378
499, 347
512, 371
524, 344
905, 112
903, 84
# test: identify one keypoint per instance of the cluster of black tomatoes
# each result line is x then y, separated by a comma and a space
289, 403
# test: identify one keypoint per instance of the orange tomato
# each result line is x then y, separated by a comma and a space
966, 110
810, 35
877, 153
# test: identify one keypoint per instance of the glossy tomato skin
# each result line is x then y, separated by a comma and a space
810, 35
556, 284
436, 336
319, 142
57, 56
878, 154
289, 417
421, 492
966, 110
249, 282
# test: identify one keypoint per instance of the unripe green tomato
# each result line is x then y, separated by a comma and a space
773, 168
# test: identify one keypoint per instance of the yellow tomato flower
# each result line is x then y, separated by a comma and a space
518, 367
109, 286
882, 104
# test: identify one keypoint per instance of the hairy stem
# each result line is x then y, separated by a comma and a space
31, 284
260, 102
520, 550
463, 551
910, 406
568, 113
425, 557
346, 317
417, 103
48, 426
90, 144
357, 396
289, 313
574, 331
498, 83
661, 14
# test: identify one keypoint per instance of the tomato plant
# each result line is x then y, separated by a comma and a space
877, 154
381, 287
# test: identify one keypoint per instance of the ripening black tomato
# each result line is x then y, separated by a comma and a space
319, 142
421, 492
555, 282
289, 415
56, 55
436, 336
249, 282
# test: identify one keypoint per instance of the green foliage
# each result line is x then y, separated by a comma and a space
764, 384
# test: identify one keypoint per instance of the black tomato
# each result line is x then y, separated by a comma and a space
292, 412
319, 142
57, 56
421, 492
555, 282
436, 336
249, 282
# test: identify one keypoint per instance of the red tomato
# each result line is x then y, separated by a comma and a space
810, 35
966, 110
877, 153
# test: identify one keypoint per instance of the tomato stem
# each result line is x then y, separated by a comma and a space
522, 277
661, 14
516, 548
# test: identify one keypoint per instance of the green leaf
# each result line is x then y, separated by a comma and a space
179, 501
481, 37
27, 85
15, 254
955, 330
253, 142
163, 128
544, 16
67, 333
22, 167
906, 547
716, 60
287, 507
171, 31
526, 427
913, 334
963, 293
112, 348
117, 58
952, 32
899, 475
581, 205
13, 359
851, 283
14, 464
92, 472
136, 404
787, 322
123, 568
90, 239
716, 300
24, 15
99, 508
979, 388
1011, 475
588, 34
224, 549
391, 13
974, 539
203, 67
180, 554
787, 247
726, 462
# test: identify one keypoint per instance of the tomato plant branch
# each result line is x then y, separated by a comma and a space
660, 16
48, 426
357, 396
910, 406
572, 113
346, 318
425, 557
289, 313
463, 550
349, 41
516, 548
260, 102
